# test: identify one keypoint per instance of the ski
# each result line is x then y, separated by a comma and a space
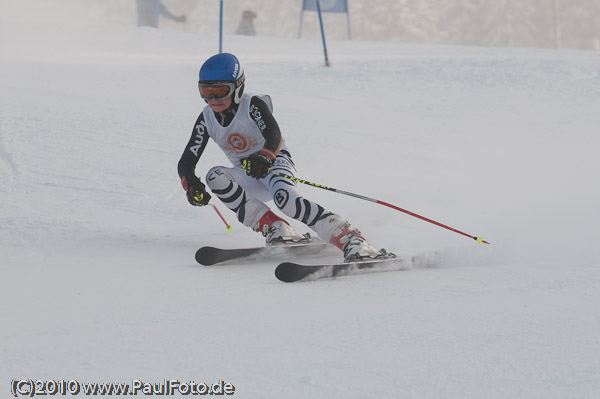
209, 256
290, 272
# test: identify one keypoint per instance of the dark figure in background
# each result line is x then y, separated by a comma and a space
246, 27
149, 12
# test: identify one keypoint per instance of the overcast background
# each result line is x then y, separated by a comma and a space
531, 23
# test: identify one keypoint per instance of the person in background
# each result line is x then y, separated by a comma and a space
149, 12
246, 26
244, 128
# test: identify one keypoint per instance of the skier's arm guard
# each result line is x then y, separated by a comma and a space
262, 115
186, 168
194, 149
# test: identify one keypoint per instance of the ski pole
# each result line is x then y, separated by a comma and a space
335, 190
228, 226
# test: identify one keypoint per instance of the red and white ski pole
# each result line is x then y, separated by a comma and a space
335, 190
227, 225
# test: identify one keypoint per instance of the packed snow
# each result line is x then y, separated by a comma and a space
97, 240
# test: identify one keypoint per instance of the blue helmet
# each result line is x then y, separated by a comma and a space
222, 69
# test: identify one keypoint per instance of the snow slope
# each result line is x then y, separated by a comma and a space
98, 279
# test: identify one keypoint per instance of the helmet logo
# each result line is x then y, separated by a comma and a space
236, 70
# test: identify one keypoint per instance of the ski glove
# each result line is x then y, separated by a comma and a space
259, 164
195, 191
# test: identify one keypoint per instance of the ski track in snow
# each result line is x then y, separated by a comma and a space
6, 156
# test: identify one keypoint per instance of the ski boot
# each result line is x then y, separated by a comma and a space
278, 232
355, 247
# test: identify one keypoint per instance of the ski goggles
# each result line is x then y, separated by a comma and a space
219, 91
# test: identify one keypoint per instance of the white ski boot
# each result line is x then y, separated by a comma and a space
281, 233
357, 248
354, 246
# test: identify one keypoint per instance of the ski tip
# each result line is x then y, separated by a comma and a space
290, 272
206, 256
282, 273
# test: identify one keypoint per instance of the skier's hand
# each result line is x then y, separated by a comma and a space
195, 191
259, 164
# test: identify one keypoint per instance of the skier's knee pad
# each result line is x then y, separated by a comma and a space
223, 182
217, 178
281, 197
284, 195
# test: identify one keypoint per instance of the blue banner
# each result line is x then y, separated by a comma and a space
326, 5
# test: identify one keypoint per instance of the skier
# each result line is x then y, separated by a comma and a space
244, 128
149, 12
